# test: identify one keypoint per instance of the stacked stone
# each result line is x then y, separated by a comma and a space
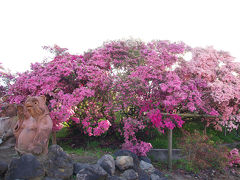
57, 165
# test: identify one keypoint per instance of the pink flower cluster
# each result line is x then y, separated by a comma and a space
234, 157
170, 121
219, 88
131, 126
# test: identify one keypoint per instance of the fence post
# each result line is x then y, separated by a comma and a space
170, 149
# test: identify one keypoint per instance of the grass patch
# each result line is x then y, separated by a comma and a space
92, 148
177, 164
157, 139
160, 141
62, 133
96, 152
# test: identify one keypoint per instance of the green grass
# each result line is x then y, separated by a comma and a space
92, 149
160, 141
62, 133
177, 164
97, 152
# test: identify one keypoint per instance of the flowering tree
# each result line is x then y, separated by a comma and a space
143, 87
130, 85
69, 82
216, 77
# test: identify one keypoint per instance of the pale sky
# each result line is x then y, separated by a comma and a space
27, 25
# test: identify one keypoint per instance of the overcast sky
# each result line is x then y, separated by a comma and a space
26, 26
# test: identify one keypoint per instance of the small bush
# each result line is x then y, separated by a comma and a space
202, 152
234, 158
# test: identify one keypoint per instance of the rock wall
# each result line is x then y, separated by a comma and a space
57, 165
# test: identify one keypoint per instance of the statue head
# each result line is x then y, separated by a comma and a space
36, 106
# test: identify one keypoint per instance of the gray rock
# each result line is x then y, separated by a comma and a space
124, 162
26, 167
163, 178
157, 172
148, 168
155, 177
49, 178
8, 143
130, 174
93, 172
97, 169
79, 166
115, 178
3, 168
145, 158
108, 164
58, 163
142, 175
128, 153
85, 174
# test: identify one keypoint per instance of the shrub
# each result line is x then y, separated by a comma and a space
234, 157
202, 153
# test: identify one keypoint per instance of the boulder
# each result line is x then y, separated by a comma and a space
128, 153
85, 174
7, 143
3, 168
156, 177
124, 162
115, 178
26, 167
148, 168
79, 166
107, 163
145, 158
157, 172
92, 172
58, 163
49, 178
142, 175
130, 174
97, 169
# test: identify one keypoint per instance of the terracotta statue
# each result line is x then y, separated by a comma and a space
34, 126
8, 120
